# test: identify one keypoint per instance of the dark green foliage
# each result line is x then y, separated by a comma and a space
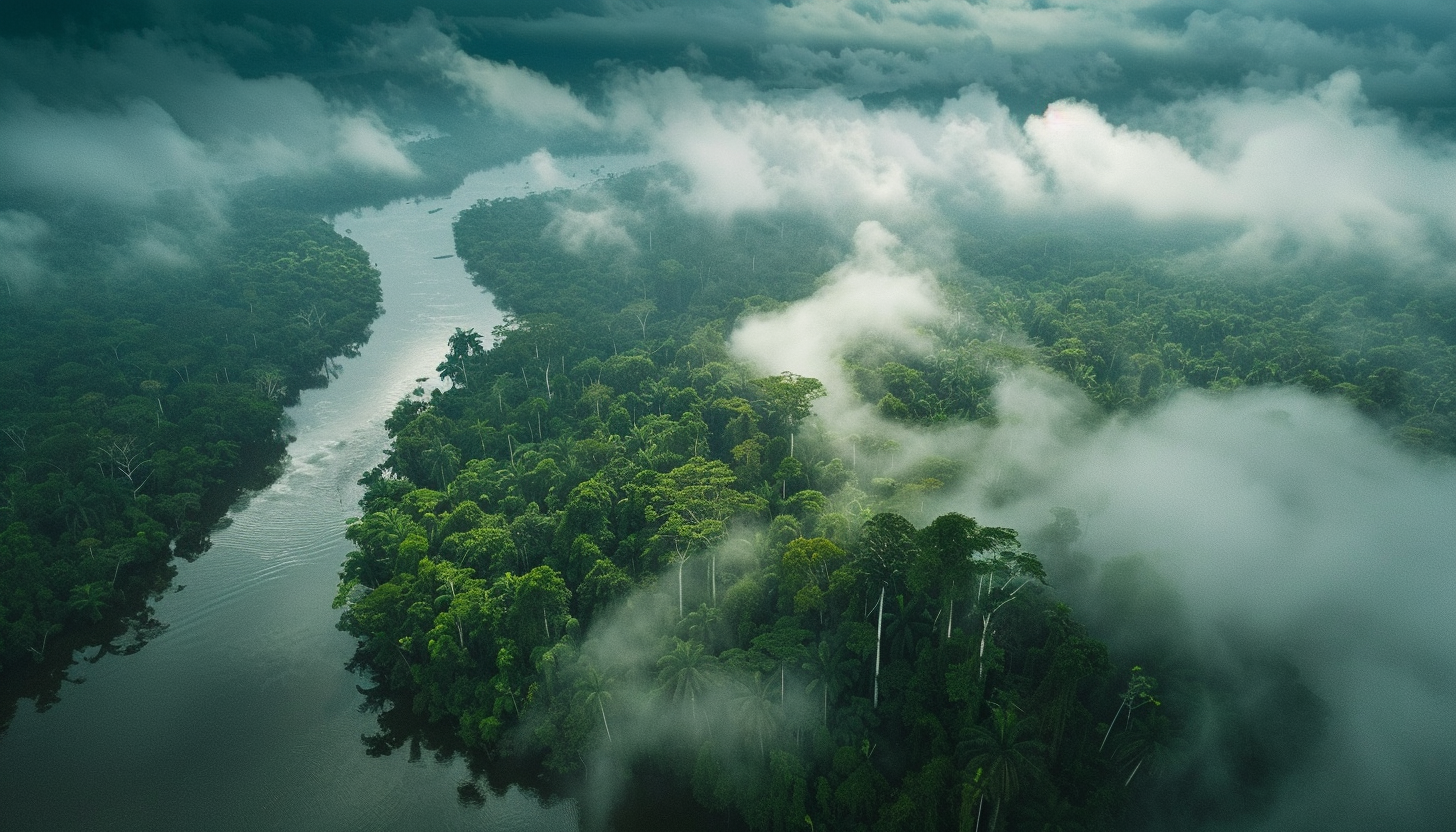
136, 406
1129, 334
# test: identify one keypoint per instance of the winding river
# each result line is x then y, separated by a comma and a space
241, 714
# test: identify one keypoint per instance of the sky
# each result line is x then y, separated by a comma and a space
1303, 132
1297, 136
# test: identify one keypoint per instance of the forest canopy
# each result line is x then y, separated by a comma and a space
140, 403
611, 541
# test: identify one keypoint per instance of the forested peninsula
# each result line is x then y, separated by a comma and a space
609, 546
140, 401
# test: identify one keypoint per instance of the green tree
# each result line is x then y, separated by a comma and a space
1004, 757
886, 548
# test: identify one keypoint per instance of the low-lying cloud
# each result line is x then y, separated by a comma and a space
141, 122
1280, 518
1304, 176
144, 115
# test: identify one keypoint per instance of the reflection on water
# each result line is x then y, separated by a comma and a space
241, 713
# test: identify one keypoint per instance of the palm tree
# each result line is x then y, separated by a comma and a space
686, 672
755, 707
1003, 756
90, 599
594, 687
830, 670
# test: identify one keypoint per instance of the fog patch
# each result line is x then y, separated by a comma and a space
1292, 179
142, 115
1317, 170
21, 264
1290, 519
578, 231
732, 714
873, 294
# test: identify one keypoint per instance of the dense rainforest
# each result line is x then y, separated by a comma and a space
610, 546
140, 401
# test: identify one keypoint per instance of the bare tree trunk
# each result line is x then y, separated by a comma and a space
981, 652
1111, 724
604, 719
879, 632
1134, 773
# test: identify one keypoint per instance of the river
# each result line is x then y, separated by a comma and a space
241, 714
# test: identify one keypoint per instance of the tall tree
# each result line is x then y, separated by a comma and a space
886, 547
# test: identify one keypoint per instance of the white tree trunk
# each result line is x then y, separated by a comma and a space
981, 652
879, 632
1134, 773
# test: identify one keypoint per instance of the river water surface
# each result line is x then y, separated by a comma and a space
241, 714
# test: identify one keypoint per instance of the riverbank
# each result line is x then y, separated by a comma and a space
241, 713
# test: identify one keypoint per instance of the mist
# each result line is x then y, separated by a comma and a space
1243, 532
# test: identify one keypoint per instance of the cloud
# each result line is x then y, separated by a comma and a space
579, 230
1303, 177
1318, 168
1283, 516
516, 93
1294, 170
870, 295
1034, 52
125, 156
1287, 524
21, 262
142, 116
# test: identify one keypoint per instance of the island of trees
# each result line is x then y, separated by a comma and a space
609, 546
139, 403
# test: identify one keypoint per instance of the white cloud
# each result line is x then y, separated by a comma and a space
516, 92
578, 231
1318, 168
143, 115
873, 294
1316, 171
1287, 516
364, 141
1282, 519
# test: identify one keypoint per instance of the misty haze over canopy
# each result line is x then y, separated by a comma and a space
1279, 137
